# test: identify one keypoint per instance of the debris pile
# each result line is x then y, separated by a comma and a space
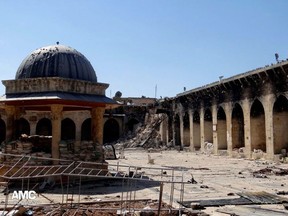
271, 171
37, 146
257, 154
238, 152
40, 146
147, 135
103, 208
66, 150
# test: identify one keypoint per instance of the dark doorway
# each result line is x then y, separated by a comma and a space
22, 127
177, 130
111, 131
237, 127
68, 129
44, 127
86, 130
2, 131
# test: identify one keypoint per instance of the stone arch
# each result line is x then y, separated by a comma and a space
280, 119
186, 130
68, 129
196, 130
208, 126
111, 131
2, 130
44, 127
257, 122
221, 129
86, 130
237, 127
177, 130
22, 127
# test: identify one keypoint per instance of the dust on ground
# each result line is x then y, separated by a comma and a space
213, 176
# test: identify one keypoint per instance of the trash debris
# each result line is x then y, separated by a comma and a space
192, 181
282, 193
150, 160
257, 154
208, 147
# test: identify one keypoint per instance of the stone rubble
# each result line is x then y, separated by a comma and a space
146, 136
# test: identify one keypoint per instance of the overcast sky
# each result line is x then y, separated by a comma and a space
135, 45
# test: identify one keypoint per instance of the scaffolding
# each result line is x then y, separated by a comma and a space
65, 173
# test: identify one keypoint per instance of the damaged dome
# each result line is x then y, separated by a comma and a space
56, 61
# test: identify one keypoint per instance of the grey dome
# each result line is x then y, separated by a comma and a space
56, 61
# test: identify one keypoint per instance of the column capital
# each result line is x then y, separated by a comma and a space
10, 110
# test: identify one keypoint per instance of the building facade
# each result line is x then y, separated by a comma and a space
248, 111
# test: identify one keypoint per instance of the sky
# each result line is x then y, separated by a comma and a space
149, 47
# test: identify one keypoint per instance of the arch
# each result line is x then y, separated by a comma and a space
221, 129
196, 130
44, 127
237, 127
177, 130
131, 125
22, 127
68, 129
280, 128
208, 126
186, 130
2, 130
111, 131
86, 130
257, 122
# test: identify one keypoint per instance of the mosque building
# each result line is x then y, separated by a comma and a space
55, 95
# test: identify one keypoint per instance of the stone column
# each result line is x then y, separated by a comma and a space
268, 103
173, 131
10, 124
32, 128
247, 127
56, 114
214, 127
77, 137
181, 130
228, 111
97, 114
192, 148
164, 129
202, 129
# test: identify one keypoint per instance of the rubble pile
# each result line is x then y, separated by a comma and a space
101, 208
40, 146
88, 151
36, 146
146, 136
271, 171
66, 150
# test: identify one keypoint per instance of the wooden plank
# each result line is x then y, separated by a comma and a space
263, 197
251, 211
247, 198
218, 202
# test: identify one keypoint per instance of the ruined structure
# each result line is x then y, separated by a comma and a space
247, 112
55, 93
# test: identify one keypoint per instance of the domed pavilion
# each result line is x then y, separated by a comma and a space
55, 93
